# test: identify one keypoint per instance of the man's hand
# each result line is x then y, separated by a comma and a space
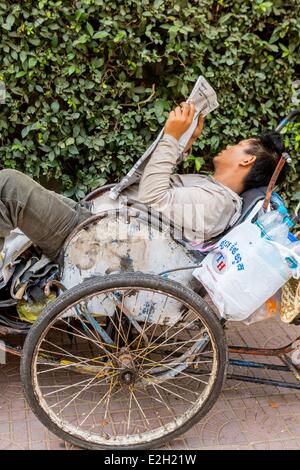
195, 134
180, 120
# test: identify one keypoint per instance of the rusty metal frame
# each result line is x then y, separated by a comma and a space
279, 353
14, 350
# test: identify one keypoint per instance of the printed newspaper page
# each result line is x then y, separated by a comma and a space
205, 99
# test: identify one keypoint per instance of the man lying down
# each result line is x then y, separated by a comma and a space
47, 218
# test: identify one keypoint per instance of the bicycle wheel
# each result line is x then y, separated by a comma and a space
109, 365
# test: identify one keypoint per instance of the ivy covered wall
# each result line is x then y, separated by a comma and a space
90, 83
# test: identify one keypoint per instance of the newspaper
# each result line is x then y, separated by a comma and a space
205, 100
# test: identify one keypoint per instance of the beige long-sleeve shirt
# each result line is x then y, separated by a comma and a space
200, 204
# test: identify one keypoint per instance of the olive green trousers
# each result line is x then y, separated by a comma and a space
45, 217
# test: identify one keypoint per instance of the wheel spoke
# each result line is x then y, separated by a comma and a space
119, 312
139, 407
175, 394
164, 402
129, 411
157, 346
107, 394
88, 338
60, 349
145, 321
80, 391
66, 366
67, 387
178, 386
186, 357
67, 397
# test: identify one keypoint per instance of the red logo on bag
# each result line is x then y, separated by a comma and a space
219, 263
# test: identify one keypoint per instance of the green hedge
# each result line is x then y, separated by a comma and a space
90, 82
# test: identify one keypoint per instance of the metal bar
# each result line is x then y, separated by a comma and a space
106, 338
7, 330
258, 365
8, 303
261, 351
275, 383
97, 192
255, 365
15, 350
281, 162
290, 117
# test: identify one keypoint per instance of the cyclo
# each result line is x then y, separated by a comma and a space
128, 355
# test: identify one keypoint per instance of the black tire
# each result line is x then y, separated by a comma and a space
96, 284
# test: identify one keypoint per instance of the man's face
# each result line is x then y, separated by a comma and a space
232, 156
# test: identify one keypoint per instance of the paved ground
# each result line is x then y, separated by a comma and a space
246, 416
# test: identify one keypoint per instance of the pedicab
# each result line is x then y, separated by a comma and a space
124, 353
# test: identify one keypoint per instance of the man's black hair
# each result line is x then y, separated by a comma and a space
268, 148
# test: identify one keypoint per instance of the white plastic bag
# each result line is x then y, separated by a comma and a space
245, 270
270, 309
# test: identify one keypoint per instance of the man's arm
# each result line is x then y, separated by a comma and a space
155, 182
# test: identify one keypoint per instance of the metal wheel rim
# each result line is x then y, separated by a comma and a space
121, 440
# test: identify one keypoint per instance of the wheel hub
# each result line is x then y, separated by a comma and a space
127, 374
127, 377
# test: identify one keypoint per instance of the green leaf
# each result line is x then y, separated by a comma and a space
70, 141
20, 74
55, 106
97, 183
157, 4
73, 150
23, 56
224, 18
9, 22
69, 193
25, 131
81, 40
158, 107
184, 90
32, 62
260, 75
99, 142
214, 141
90, 29
100, 35
80, 194
76, 130
121, 35
273, 47
198, 164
